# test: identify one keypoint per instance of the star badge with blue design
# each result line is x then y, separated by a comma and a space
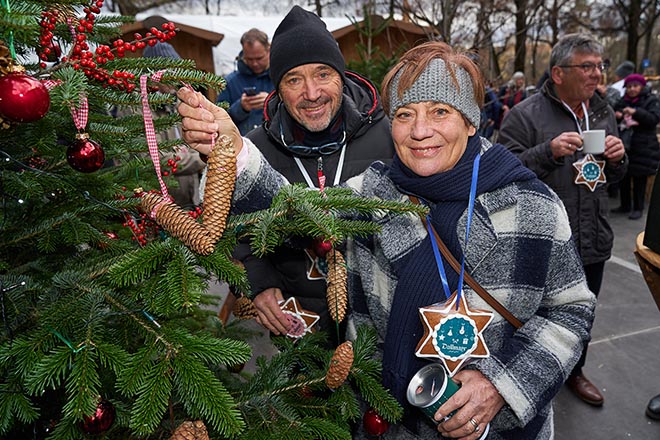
590, 172
453, 334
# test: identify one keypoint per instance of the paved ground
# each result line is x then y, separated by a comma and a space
624, 354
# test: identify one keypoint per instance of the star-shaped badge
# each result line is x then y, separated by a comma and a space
590, 171
453, 335
302, 321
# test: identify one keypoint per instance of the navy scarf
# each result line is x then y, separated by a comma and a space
419, 283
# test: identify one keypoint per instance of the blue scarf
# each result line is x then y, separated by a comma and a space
419, 283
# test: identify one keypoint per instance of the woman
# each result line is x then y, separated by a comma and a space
638, 111
520, 249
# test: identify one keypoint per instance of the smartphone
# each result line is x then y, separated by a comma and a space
250, 91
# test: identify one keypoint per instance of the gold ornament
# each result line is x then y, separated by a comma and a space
244, 308
340, 365
336, 291
201, 237
191, 431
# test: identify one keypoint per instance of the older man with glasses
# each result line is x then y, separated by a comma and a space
546, 132
250, 84
322, 126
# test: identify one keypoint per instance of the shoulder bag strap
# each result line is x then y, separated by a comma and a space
494, 303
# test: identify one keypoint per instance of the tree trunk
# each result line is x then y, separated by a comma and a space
521, 35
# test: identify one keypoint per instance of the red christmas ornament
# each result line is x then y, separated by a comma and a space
23, 98
374, 424
85, 155
321, 247
101, 420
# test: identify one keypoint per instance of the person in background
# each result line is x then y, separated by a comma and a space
620, 73
490, 114
639, 114
321, 119
544, 131
519, 248
513, 92
249, 85
188, 163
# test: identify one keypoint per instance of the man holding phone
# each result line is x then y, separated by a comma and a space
249, 86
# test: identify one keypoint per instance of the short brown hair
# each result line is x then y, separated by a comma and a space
254, 35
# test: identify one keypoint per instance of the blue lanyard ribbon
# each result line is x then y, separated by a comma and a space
434, 244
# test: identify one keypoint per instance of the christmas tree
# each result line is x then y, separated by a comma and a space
107, 326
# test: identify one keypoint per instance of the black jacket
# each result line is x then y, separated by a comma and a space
644, 151
368, 139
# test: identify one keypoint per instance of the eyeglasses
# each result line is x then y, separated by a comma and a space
589, 68
321, 150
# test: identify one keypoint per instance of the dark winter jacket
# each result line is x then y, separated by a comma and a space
369, 139
644, 151
244, 77
527, 131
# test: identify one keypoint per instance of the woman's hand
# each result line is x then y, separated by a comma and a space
269, 312
203, 121
476, 403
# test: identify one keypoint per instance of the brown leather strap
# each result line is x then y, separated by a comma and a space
494, 303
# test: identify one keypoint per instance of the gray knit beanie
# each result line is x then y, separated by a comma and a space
162, 50
435, 84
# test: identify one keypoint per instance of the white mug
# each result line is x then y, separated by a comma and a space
593, 141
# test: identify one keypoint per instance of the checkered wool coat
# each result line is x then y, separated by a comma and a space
520, 250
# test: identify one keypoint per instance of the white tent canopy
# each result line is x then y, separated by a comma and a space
224, 54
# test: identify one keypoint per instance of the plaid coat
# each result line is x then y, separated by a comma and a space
520, 250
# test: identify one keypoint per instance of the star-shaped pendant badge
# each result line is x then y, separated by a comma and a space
590, 172
302, 321
453, 335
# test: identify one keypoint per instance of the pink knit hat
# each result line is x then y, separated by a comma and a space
634, 78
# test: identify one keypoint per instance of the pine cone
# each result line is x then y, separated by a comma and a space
178, 223
336, 291
340, 365
219, 189
244, 308
191, 431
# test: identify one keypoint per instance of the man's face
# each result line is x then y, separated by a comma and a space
578, 82
256, 56
312, 94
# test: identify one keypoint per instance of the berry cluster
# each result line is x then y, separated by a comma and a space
195, 213
89, 62
172, 164
49, 51
142, 227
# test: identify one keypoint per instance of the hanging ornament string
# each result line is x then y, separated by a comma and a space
320, 175
81, 113
150, 132
12, 51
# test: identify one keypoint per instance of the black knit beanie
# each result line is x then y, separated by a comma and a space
302, 38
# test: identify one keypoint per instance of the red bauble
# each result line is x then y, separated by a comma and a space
85, 155
374, 424
101, 420
321, 247
23, 98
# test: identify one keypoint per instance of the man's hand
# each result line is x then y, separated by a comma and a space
269, 312
614, 149
255, 102
476, 403
565, 144
203, 121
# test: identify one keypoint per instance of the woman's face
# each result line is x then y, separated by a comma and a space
430, 137
633, 89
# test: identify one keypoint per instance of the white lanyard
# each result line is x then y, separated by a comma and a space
577, 121
307, 177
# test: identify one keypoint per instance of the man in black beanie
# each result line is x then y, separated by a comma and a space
323, 121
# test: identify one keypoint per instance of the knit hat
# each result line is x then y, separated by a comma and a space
635, 78
436, 84
302, 38
624, 69
518, 75
162, 50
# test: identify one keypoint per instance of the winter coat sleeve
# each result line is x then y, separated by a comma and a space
518, 135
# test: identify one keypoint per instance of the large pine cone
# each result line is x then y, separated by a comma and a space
340, 365
191, 431
219, 189
178, 223
244, 308
336, 291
